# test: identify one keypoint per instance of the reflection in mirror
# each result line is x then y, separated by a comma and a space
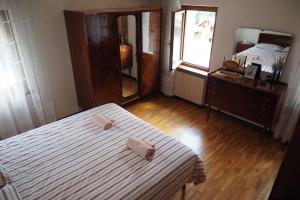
129, 72
255, 46
146, 33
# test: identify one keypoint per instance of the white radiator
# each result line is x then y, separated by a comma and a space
190, 86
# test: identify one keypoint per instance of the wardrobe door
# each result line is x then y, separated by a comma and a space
102, 35
151, 54
80, 58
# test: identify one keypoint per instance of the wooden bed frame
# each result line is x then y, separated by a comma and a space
282, 40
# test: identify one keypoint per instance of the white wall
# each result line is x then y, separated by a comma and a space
51, 35
282, 16
167, 81
51, 40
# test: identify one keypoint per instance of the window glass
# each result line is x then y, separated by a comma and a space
199, 30
178, 25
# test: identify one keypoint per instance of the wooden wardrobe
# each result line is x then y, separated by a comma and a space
96, 59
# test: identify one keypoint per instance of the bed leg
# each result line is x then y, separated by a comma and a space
183, 189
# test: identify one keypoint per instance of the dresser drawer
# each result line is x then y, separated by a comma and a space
246, 98
222, 94
214, 83
256, 106
261, 107
211, 96
214, 91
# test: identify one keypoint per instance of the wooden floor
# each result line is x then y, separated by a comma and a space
129, 86
238, 166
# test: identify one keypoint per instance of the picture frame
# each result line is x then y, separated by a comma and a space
251, 71
258, 70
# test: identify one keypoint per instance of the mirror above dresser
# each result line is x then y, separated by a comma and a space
261, 47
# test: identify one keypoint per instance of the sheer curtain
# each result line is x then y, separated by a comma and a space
25, 100
291, 109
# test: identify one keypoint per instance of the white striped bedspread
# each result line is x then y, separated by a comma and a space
75, 159
265, 57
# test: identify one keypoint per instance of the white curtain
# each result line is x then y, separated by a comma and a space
291, 109
25, 99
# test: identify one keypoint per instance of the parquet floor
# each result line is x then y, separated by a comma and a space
129, 86
238, 166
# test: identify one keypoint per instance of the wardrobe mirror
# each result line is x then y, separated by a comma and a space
127, 40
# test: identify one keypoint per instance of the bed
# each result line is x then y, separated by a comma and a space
268, 48
75, 159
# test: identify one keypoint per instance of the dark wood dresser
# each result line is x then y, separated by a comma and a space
246, 98
240, 46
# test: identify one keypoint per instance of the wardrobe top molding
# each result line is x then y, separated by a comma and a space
115, 10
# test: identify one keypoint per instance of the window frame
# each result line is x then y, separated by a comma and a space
185, 8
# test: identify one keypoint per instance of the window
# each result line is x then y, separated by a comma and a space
192, 36
10, 70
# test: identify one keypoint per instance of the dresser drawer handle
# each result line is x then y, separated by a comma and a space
213, 93
214, 82
263, 109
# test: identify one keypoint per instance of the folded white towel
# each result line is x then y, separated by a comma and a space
102, 121
143, 148
109, 119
